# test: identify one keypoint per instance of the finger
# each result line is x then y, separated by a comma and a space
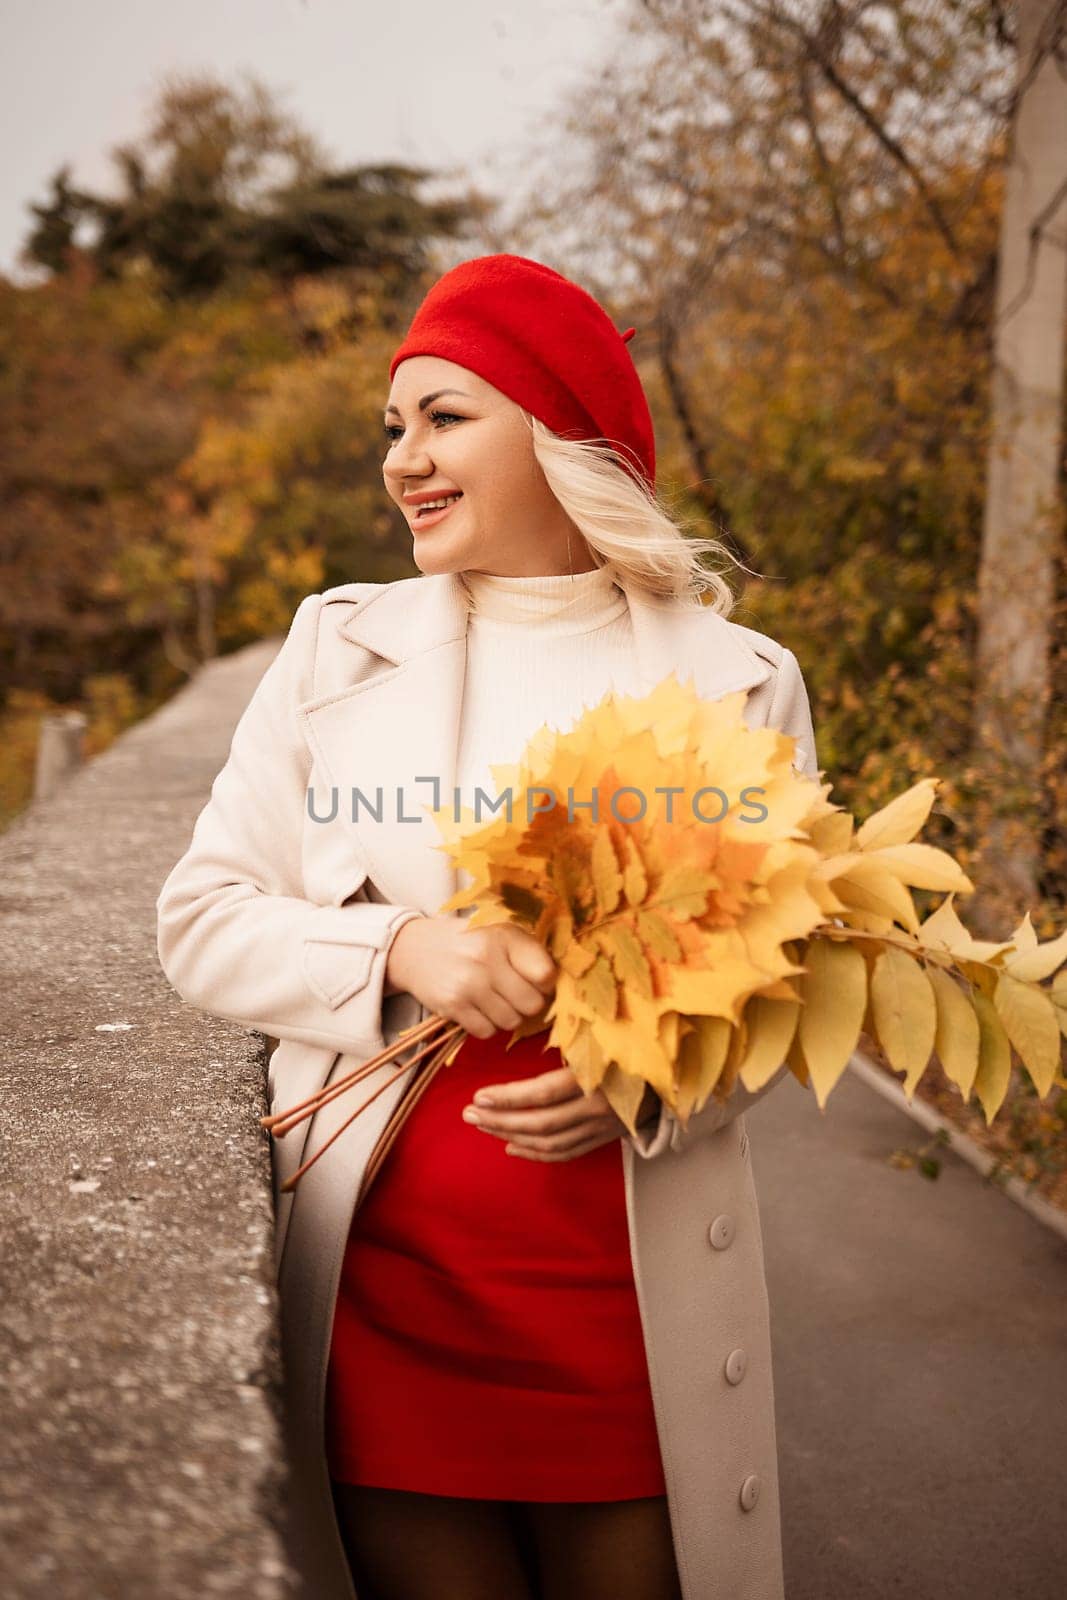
558, 1155
548, 1088
494, 1007
525, 996
475, 1022
501, 1012
566, 1139
533, 962
543, 1121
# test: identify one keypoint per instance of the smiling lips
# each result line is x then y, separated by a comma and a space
425, 519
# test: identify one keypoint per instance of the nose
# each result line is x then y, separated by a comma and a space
407, 459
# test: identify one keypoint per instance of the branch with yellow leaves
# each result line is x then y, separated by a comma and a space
696, 951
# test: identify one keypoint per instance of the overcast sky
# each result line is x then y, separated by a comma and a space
432, 82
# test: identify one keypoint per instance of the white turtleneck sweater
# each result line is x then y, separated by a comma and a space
539, 650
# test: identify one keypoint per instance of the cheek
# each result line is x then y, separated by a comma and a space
495, 465
515, 476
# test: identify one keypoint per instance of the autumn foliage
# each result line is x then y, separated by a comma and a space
693, 952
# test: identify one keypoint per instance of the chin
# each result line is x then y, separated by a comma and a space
433, 562
431, 557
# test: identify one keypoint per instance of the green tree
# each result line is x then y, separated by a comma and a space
225, 183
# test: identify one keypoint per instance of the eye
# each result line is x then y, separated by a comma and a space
392, 432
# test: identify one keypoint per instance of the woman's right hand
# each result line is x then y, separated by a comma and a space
483, 978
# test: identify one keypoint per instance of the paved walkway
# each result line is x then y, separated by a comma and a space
920, 1348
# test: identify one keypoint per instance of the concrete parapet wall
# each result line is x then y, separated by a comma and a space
140, 1452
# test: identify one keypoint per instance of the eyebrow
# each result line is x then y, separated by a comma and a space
424, 402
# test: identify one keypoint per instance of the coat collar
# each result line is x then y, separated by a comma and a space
415, 615
397, 728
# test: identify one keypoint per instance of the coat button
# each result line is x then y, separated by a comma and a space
721, 1232
736, 1362
750, 1491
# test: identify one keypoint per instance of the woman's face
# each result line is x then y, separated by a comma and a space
452, 432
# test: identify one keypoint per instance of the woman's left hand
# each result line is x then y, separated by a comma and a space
550, 1117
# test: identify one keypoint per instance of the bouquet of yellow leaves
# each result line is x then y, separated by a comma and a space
712, 915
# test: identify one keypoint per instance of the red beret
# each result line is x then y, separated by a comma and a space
545, 343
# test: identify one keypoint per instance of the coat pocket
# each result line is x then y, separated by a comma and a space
336, 971
333, 969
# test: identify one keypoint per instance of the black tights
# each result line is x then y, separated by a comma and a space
407, 1546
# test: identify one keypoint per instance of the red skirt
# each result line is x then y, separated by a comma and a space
486, 1339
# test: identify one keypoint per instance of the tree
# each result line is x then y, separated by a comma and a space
225, 183
1023, 527
798, 203
51, 240
741, 150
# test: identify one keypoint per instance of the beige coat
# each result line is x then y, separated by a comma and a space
283, 923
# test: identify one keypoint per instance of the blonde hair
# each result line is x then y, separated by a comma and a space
626, 524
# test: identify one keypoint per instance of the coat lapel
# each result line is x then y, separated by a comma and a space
396, 730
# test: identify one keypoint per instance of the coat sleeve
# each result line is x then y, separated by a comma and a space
235, 934
791, 713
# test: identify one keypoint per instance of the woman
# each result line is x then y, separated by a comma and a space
528, 1364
